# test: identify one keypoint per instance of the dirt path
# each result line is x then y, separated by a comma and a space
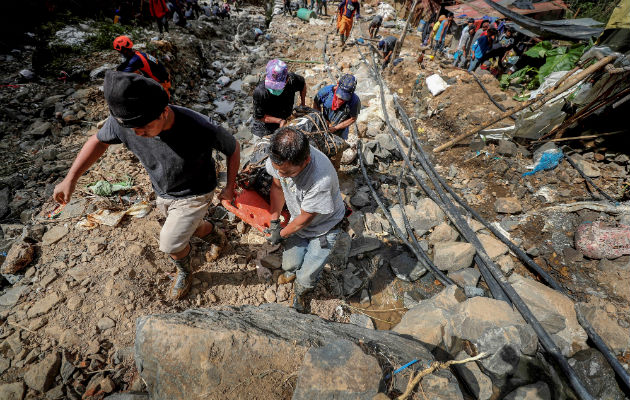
86, 288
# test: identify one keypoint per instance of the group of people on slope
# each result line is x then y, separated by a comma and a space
175, 145
182, 10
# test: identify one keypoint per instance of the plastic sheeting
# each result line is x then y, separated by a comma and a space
534, 124
548, 29
548, 160
436, 84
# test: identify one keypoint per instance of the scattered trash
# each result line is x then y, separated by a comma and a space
409, 364
104, 188
549, 160
386, 10
598, 240
497, 133
139, 210
315, 21
222, 81
436, 84
339, 311
27, 74
113, 218
56, 212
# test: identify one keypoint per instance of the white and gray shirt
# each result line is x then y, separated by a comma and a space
314, 190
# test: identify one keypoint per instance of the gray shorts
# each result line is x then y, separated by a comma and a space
183, 217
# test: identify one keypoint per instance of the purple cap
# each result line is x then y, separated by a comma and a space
277, 73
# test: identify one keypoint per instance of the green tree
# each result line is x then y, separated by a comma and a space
599, 10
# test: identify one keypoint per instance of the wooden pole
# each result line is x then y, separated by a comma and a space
400, 41
553, 92
581, 137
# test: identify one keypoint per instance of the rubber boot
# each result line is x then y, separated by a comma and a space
343, 39
299, 303
216, 239
285, 278
181, 284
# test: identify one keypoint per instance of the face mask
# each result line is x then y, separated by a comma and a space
275, 92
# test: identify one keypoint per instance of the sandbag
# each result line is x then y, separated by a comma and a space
598, 240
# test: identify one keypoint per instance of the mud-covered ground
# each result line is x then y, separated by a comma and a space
85, 288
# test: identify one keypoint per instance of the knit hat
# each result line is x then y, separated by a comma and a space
277, 72
133, 100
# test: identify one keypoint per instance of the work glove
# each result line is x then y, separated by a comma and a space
274, 232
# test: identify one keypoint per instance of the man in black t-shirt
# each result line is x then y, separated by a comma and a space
175, 145
386, 46
375, 25
274, 98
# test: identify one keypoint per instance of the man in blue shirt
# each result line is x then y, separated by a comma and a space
339, 105
481, 47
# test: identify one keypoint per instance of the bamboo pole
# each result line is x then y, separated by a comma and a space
553, 92
403, 34
582, 137
301, 61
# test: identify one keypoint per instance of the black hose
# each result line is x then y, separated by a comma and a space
589, 180
481, 257
326, 63
548, 344
439, 275
445, 280
499, 106
419, 152
599, 343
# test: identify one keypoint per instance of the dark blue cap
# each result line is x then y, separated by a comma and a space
346, 86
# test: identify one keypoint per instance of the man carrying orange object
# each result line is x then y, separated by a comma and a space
345, 13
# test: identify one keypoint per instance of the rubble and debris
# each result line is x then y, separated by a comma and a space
597, 240
82, 290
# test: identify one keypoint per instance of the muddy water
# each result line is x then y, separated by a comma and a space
386, 307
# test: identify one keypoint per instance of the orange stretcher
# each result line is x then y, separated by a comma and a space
252, 209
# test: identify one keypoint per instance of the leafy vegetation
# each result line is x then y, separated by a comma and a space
561, 58
104, 35
53, 54
599, 10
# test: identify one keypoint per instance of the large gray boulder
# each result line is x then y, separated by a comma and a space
453, 256
338, 371
227, 352
555, 312
426, 320
492, 326
427, 215
594, 371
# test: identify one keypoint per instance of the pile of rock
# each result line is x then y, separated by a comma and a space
230, 352
453, 326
